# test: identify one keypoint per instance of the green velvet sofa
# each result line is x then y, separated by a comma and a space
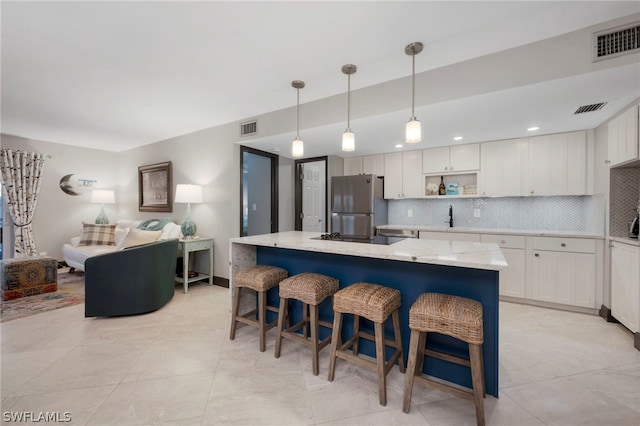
135, 280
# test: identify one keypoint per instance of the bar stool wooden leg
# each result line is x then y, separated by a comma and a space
421, 347
305, 319
398, 337
336, 342
237, 291
284, 306
314, 340
476, 378
380, 358
412, 368
356, 333
262, 319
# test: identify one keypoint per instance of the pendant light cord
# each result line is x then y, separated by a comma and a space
298, 114
348, 102
413, 85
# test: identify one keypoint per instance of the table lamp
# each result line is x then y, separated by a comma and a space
188, 194
103, 197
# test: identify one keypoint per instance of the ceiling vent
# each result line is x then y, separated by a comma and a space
249, 128
590, 108
616, 42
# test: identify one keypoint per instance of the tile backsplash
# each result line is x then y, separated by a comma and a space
571, 213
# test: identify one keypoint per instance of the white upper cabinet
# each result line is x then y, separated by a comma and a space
623, 137
453, 159
373, 165
557, 164
352, 166
403, 175
502, 170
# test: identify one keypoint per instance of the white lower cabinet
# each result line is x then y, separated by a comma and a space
625, 285
562, 270
512, 279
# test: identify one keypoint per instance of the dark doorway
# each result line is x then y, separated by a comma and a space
258, 192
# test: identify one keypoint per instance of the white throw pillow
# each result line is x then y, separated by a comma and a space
136, 237
170, 231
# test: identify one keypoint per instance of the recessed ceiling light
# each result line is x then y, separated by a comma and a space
457, 138
276, 149
399, 145
532, 129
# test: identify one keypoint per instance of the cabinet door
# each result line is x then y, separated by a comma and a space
623, 137
352, 166
625, 285
393, 177
563, 277
373, 164
512, 280
503, 168
464, 157
435, 160
411, 175
557, 164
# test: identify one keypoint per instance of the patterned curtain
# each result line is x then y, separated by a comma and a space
21, 177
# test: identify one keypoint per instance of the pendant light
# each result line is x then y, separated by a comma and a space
297, 146
348, 138
413, 131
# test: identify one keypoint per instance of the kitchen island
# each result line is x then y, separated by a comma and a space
413, 266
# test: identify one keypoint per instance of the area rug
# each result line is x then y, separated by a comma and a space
70, 292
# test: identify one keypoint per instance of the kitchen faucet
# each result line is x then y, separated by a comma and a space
450, 216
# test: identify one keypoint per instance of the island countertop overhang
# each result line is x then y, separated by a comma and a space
487, 256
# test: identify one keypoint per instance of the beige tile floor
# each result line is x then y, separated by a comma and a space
177, 366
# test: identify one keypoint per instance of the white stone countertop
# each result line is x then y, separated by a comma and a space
626, 240
524, 232
451, 253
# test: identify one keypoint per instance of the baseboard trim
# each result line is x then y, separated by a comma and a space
605, 313
222, 282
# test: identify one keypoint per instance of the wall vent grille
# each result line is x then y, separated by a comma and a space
590, 108
616, 42
249, 128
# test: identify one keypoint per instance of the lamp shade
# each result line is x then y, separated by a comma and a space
348, 141
188, 193
102, 196
297, 148
414, 131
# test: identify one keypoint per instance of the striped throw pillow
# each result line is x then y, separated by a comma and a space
97, 235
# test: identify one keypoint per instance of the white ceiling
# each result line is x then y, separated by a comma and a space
116, 75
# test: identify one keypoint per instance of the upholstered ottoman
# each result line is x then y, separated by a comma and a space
28, 276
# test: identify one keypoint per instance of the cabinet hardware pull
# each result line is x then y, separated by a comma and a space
536, 255
563, 245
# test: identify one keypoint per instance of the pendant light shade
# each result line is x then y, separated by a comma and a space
297, 146
413, 132
348, 137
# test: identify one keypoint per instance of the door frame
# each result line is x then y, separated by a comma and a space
274, 184
298, 190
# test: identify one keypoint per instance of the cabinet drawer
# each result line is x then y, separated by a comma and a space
575, 245
197, 245
504, 241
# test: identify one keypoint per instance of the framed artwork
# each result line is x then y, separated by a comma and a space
154, 188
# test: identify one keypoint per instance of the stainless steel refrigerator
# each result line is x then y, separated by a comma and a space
357, 206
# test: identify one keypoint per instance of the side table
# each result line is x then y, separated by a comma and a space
193, 245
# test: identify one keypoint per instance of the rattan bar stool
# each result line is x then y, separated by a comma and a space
259, 278
454, 316
375, 303
310, 289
